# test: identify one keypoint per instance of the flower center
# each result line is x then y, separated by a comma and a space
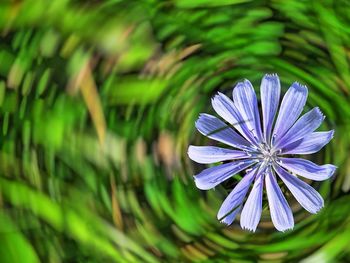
267, 154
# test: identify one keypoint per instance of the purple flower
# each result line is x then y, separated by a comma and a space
264, 151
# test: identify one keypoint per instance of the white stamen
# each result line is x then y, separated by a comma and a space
268, 155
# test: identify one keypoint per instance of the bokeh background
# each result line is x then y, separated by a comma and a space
98, 101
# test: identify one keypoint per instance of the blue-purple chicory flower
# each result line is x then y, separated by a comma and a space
264, 150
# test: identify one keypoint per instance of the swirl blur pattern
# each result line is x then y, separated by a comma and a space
97, 105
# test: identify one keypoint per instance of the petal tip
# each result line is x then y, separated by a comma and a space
320, 208
333, 168
288, 229
190, 151
247, 82
271, 76
299, 86
221, 214
284, 228
218, 99
227, 219
223, 221
248, 228
239, 85
219, 95
199, 184
200, 116
317, 207
200, 119
319, 112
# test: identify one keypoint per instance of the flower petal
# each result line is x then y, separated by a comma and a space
281, 214
310, 144
228, 220
307, 196
235, 198
244, 98
213, 176
270, 90
308, 169
309, 122
212, 154
228, 111
251, 212
216, 129
292, 105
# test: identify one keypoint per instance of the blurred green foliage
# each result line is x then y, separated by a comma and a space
97, 107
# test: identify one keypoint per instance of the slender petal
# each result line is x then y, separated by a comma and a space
216, 129
213, 176
228, 111
251, 212
307, 168
212, 154
231, 217
235, 198
292, 105
307, 196
244, 98
270, 90
281, 214
309, 122
310, 144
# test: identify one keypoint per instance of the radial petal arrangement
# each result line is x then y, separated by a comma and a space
264, 147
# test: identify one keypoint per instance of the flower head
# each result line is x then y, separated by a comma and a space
263, 149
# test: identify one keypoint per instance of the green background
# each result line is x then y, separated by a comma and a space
98, 101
